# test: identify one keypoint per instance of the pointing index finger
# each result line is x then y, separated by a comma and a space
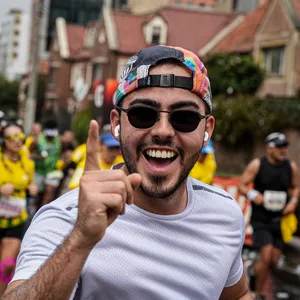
92, 148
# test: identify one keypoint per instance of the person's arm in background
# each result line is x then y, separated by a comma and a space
33, 150
292, 205
32, 187
248, 177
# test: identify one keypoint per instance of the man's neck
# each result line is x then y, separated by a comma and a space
171, 205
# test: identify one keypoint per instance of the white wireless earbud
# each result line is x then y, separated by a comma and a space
117, 131
206, 136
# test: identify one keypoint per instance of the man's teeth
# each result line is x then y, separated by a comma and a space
160, 154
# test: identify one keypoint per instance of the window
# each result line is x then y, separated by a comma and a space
51, 79
273, 60
89, 38
244, 6
97, 72
156, 31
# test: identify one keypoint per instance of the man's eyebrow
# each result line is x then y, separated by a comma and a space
181, 104
148, 102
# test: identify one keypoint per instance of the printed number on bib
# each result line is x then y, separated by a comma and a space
11, 207
274, 200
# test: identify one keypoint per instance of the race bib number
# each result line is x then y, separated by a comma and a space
11, 207
274, 200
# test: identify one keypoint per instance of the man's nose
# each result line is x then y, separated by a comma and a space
162, 127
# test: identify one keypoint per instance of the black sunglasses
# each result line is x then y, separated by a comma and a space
143, 117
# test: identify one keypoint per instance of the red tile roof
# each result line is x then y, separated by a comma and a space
242, 38
191, 29
296, 5
75, 35
129, 32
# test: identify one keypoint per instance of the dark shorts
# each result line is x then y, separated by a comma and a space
15, 232
264, 234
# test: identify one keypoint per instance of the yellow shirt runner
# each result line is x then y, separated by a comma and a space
21, 173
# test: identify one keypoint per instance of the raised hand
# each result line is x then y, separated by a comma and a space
103, 193
7, 189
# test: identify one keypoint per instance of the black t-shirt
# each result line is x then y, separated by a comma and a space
273, 182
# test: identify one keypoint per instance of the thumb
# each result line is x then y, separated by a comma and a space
135, 180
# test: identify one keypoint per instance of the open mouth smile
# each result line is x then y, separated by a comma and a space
158, 159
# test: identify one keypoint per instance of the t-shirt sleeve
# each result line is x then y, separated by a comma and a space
237, 267
49, 228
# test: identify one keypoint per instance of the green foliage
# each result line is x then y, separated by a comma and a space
8, 94
233, 74
80, 124
243, 119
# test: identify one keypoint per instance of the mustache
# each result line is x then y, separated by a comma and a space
159, 141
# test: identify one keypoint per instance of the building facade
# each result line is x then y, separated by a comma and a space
146, 6
14, 44
271, 34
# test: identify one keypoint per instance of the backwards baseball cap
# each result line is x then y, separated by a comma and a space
276, 139
136, 73
109, 140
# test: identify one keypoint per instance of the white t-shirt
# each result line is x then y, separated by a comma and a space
191, 255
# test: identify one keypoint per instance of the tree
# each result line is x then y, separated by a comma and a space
233, 74
80, 124
9, 91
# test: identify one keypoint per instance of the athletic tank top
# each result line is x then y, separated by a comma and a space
273, 182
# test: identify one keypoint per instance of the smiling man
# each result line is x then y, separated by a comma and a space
143, 230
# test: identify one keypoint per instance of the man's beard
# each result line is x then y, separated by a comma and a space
156, 190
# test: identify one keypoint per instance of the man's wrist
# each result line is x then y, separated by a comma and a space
79, 240
294, 200
251, 194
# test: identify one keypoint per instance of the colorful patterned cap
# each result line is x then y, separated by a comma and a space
136, 73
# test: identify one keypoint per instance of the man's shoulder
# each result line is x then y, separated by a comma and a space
215, 197
66, 206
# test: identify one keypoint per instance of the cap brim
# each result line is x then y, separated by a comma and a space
282, 144
111, 143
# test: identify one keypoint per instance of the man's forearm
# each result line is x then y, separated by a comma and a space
295, 193
57, 277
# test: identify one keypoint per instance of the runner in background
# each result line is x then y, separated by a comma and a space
46, 151
16, 179
275, 194
36, 130
206, 166
109, 156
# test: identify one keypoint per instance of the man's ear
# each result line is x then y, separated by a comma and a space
115, 123
209, 128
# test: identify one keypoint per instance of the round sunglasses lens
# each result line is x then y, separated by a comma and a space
142, 117
185, 120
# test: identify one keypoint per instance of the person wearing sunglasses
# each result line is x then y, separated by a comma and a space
274, 195
143, 230
16, 179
